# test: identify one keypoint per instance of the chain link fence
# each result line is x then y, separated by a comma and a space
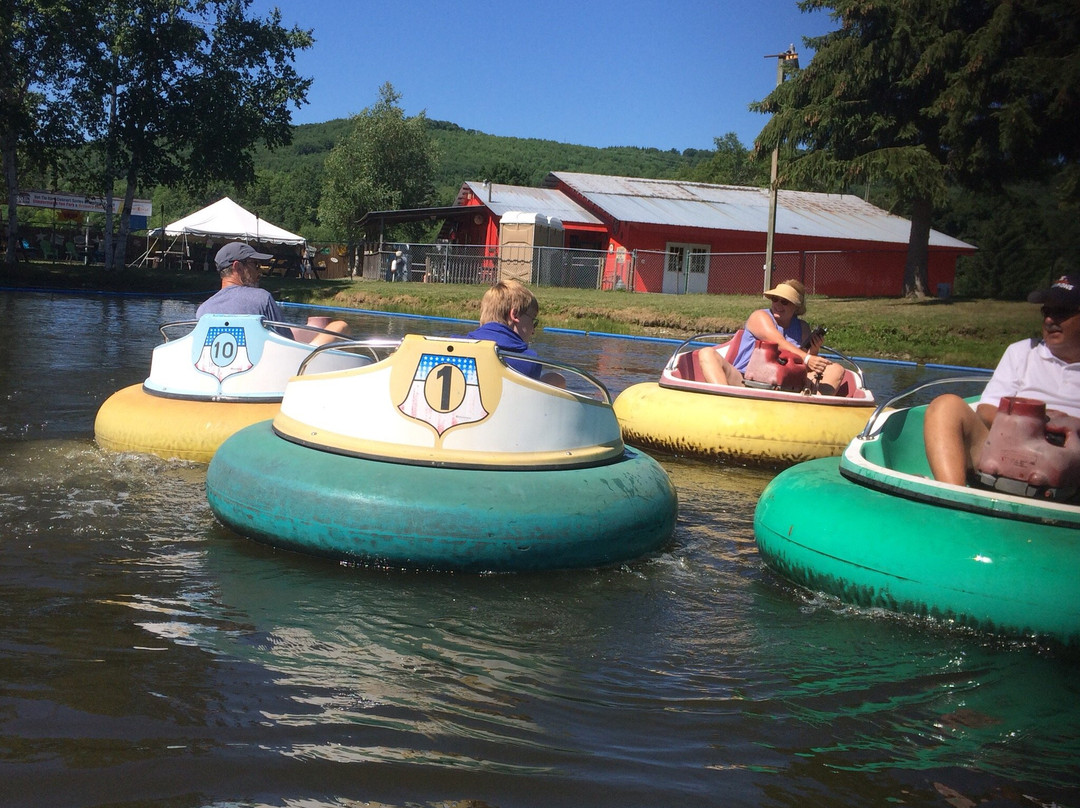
453, 263
870, 273
856, 273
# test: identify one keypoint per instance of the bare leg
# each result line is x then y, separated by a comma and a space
554, 379
340, 329
953, 435
716, 369
830, 379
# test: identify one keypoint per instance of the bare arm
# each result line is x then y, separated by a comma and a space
761, 325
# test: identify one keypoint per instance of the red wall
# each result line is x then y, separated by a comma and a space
834, 267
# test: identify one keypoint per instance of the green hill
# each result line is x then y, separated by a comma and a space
466, 154
290, 177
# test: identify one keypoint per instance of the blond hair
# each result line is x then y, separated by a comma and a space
504, 297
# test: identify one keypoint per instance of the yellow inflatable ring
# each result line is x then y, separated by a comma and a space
132, 420
743, 430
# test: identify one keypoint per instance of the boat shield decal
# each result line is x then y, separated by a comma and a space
445, 392
224, 352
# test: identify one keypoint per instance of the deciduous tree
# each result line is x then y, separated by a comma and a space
731, 164
387, 162
186, 91
40, 41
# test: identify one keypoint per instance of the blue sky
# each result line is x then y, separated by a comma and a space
671, 75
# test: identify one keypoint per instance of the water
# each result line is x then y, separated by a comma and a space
149, 657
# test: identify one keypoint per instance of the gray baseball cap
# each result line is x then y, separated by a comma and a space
237, 251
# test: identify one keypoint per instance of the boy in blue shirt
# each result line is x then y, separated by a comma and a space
508, 317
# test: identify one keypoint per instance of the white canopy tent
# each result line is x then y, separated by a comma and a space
216, 224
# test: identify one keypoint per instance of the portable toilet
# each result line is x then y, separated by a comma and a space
519, 233
550, 264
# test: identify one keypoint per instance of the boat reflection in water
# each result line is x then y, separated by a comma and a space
152, 656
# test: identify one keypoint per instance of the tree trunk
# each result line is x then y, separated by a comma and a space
120, 250
108, 242
11, 177
116, 258
108, 245
916, 275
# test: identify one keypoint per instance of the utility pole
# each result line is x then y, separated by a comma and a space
783, 60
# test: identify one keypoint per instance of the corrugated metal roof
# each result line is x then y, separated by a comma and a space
502, 198
730, 207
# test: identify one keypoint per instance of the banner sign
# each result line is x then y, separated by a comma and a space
80, 202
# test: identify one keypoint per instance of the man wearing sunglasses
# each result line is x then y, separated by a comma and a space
1046, 369
239, 266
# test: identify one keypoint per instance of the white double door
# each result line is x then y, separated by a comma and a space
686, 269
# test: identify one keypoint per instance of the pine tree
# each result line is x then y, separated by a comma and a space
925, 93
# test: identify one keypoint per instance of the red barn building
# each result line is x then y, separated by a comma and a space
696, 237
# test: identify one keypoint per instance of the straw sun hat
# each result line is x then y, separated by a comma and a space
791, 293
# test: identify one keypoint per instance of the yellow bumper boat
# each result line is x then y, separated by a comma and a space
225, 373
685, 415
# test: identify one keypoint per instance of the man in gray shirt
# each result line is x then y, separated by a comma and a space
238, 266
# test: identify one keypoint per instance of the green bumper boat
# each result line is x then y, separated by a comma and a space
892, 537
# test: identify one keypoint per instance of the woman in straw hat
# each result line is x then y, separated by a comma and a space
779, 323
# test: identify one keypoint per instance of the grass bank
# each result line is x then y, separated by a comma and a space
970, 333
963, 332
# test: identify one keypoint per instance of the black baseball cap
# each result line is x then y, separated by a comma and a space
1064, 293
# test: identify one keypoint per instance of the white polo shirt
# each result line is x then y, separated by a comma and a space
1034, 372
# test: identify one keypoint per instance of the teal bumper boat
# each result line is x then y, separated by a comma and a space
876, 530
443, 457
